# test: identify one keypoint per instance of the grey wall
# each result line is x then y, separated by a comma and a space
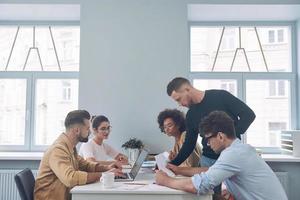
130, 49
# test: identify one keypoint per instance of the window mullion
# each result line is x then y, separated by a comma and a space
31, 98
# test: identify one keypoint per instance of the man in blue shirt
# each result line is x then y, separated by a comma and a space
244, 173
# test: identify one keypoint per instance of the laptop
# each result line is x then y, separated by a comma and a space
135, 169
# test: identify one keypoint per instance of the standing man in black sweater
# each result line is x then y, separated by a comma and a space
200, 104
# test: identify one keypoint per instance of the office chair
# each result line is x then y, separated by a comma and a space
25, 183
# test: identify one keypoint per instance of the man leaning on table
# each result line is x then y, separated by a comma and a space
245, 174
62, 168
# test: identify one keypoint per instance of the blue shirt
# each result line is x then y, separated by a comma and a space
246, 175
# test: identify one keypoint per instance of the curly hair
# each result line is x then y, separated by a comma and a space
176, 115
217, 121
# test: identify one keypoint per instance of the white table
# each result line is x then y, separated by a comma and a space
123, 191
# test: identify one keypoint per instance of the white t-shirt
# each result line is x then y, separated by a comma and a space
100, 152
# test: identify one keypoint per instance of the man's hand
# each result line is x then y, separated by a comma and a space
117, 172
114, 165
161, 177
173, 168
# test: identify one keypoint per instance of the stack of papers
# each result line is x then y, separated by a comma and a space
149, 164
162, 160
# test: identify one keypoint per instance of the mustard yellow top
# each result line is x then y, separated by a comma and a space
193, 159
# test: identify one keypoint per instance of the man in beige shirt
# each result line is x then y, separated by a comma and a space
62, 168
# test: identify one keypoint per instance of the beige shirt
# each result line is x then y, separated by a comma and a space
61, 169
193, 159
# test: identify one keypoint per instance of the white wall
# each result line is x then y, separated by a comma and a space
130, 50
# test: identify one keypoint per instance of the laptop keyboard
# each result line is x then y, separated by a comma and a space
122, 177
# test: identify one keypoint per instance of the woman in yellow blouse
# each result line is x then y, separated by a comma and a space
172, 123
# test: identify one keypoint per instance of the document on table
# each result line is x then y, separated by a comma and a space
162, 160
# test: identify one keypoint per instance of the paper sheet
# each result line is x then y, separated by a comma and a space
162, 160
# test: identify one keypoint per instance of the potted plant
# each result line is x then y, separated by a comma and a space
133, 147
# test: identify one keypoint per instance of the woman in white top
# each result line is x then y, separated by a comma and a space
95, 149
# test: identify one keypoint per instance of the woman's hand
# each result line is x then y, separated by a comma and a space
122, 159
172, 155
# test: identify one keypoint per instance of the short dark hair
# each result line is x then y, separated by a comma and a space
218, 121
97, 120
76, 117
176, 83
176, 115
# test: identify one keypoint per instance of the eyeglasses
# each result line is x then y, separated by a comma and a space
168, 126
209, 137
108, 129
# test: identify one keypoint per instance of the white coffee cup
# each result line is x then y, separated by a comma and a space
107, 179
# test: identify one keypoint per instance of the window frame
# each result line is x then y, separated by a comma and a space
31, 78
242, 77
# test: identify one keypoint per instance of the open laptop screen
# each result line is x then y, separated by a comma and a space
138, 163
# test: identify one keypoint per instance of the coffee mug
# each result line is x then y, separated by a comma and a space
107, 179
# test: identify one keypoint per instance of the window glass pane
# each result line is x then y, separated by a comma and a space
271, 36
272, 114
281, 88
12, 109
34, 48
204, 43
280, 35
225, 84
54, 99
272, 88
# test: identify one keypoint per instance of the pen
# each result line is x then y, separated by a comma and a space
136, 183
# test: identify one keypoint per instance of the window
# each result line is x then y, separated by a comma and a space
229, 85
271, 36
49, 109
258, 70
266, 110
261, 55
276, 36
36, 62
277, 88
66, 90
13, 111
280, 35
274, 132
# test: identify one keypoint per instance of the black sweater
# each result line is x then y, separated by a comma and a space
220, 100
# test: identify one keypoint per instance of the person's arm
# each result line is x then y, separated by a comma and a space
93, 177
185, 184
189, 143
101, 162
89, 165
186, 171
61, 164
226, 166
240, 110
113, 153
200, 183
